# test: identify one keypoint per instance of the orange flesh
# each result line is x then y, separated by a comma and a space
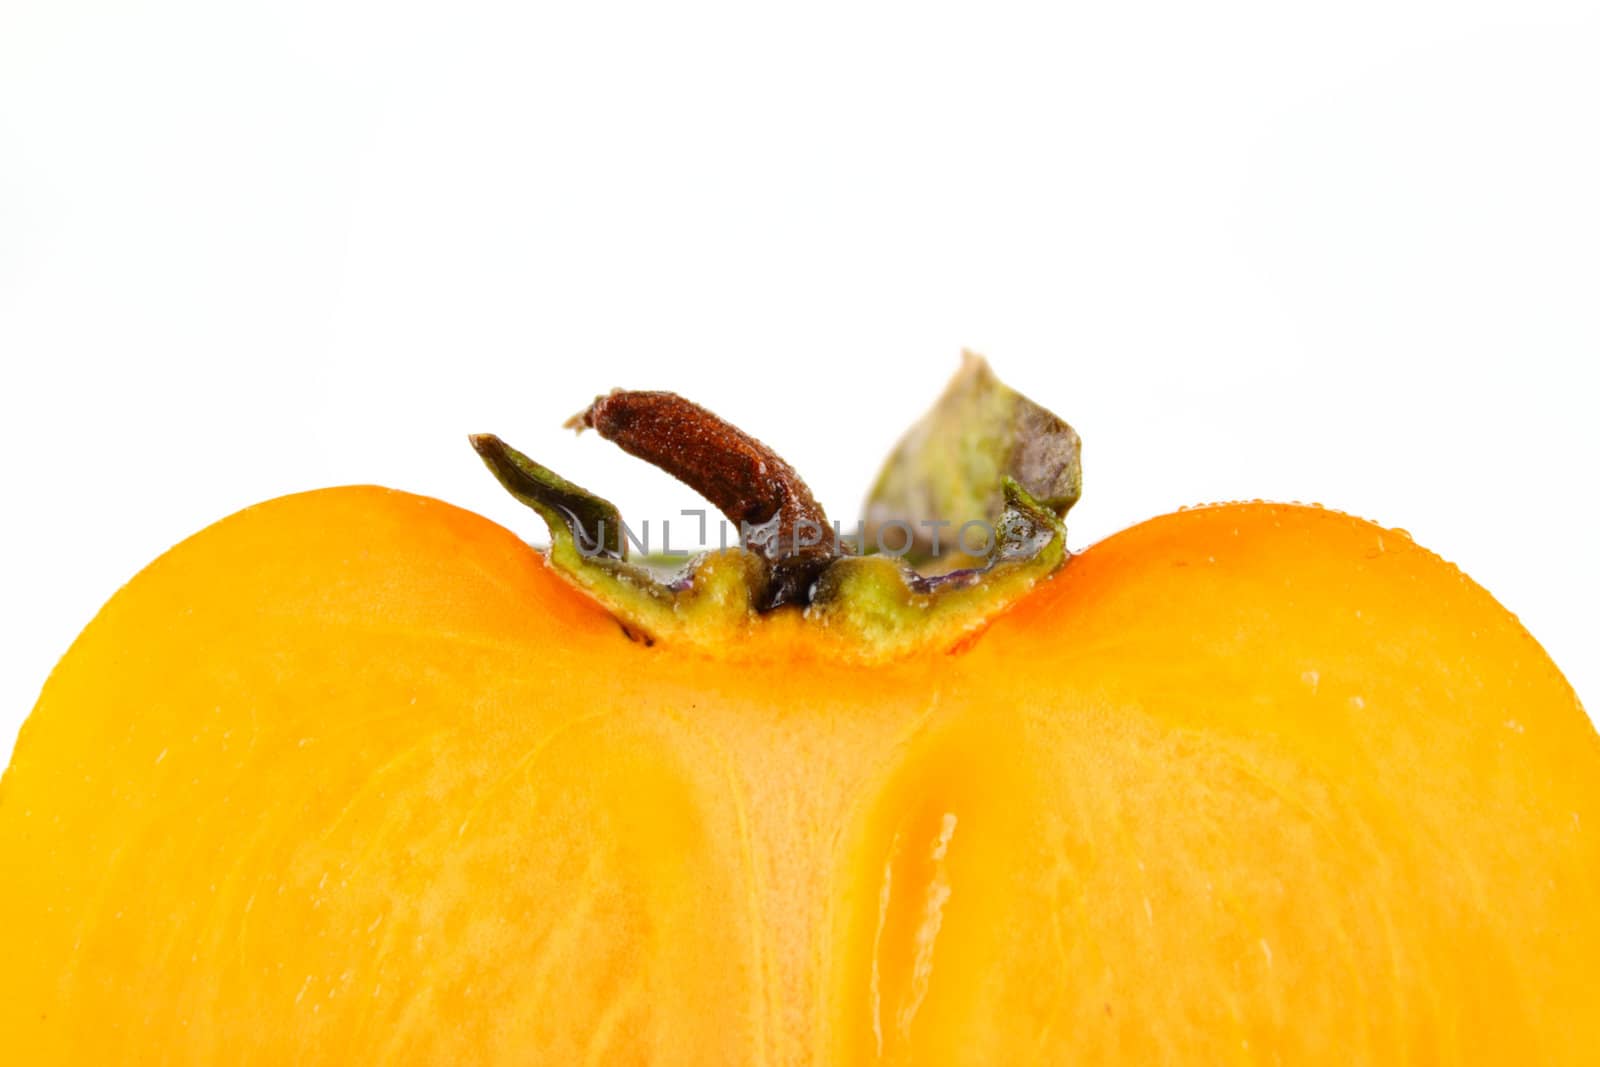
352, 777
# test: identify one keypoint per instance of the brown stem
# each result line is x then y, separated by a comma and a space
750, 484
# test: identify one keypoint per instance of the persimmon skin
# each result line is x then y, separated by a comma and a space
353, 777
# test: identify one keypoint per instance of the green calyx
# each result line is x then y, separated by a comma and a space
950, 467
790, 558
887, 601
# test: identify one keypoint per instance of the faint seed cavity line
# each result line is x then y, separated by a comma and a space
932, 919
884, 892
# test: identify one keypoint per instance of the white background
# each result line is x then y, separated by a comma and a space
1346, 253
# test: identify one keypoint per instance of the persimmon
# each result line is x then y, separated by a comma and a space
356, 776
